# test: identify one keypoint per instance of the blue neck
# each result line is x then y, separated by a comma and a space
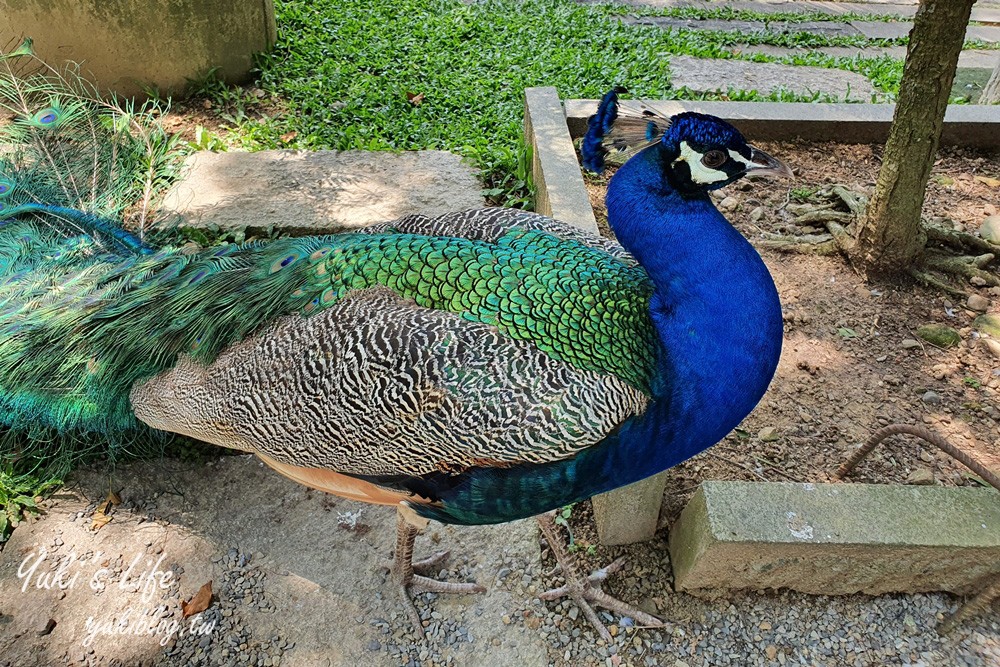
715, 309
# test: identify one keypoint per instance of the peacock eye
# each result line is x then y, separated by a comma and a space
714, 159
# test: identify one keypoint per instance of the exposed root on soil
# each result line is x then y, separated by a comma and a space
839, 238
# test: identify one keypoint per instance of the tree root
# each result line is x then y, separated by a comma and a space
928, 280
840, 239
806, 244
961, 241
968, 267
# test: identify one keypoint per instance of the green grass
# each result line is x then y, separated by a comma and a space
341, 72
19, 496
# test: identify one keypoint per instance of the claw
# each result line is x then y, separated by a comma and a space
584, 590
403, 570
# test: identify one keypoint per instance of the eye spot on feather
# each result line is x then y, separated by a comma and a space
5, 187
311, 306
197, 277
284, 262
46, 117
320, 253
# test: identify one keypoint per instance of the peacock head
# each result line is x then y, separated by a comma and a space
704, 153
698, 152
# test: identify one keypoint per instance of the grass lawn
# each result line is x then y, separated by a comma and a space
344, 72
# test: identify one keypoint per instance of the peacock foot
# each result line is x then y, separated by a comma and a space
584, 590
404, 571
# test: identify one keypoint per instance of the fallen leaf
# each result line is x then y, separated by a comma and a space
415, 98
100, 520
289, 136
992, 182
114, 498
199, 602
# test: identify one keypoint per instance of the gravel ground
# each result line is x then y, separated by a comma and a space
740, 629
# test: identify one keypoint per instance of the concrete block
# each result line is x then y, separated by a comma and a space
559, 189
976, 126
836, 539
630, 514
126, 45
312, 192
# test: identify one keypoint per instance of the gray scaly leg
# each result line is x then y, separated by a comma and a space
404, 569
585, 590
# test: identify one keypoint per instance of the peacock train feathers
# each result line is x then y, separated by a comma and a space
478, 367
78, 163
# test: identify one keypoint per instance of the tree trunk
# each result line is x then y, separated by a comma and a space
889, 240
991, 93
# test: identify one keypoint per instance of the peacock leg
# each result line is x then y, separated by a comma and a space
404, 569
583, 589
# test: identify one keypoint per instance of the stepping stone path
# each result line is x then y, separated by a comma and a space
708, 75
701, 75
313, 192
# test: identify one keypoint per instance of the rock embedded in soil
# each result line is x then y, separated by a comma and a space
939, 335
931, 398
910, 343
990, 229
978, 303
993, 347
921, 477
768, 434
988, 324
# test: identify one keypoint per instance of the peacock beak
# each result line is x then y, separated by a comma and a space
763, 164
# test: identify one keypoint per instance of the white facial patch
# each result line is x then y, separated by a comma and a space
700, 173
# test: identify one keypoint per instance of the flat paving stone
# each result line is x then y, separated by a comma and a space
971, 58
983, 12
829, 28
897, 29
318, 191
836, 539
709, 75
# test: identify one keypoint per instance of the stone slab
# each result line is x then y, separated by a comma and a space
974, 58
130, 46
631, 513
836, 539
310, 192
964, 125
981, 12
897, 29
781, 6
712, 75
829, 28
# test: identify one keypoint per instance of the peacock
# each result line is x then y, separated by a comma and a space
472, 368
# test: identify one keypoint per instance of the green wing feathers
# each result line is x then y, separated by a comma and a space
78, 328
